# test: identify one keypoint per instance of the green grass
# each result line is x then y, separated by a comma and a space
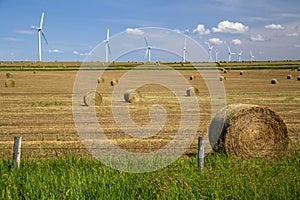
86, 178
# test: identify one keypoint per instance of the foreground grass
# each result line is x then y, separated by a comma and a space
85, 178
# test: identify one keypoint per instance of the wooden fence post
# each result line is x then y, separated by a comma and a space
200, 153
17, 151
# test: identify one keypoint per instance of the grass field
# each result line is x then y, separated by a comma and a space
55, 164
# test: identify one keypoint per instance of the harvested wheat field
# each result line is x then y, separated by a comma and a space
39, 108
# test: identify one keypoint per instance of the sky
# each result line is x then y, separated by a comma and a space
269, 28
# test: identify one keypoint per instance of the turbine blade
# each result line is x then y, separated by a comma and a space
108, 46
42, 20
147, 51
44, 37
107, 35
146, 41
184, 43
229, 49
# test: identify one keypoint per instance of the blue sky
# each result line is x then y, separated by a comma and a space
269, 28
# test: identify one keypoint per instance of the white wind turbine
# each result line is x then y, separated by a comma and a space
209, 51
216, 52
40, 31
229, 54
251, 56
184, 51
240, 56
107, 47
148, 50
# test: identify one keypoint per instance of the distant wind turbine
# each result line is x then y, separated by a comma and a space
184, 51
209, 51
148, 50
40, 31
229, 54
240, 56
216, 52
251, 56
107, 47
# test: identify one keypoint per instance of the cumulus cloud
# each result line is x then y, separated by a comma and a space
257, 37
297, 45
201, 30
134, 31
55, 51
80, 54
230, 27
274, 26
292, 34
216, 41
236, 41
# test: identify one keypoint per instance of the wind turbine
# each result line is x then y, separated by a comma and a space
251, 56
148, 50
107, 47
209, 51
229, 53
216, 52
184, 51
240, 56
40, 31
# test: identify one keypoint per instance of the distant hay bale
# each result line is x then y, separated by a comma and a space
100, 80
9, 75
222, 69
132, 96
9, 83
92, 99
192, 77
113, 82
274, 81
298, 78
222, 78
298, 69
248, 131
225, 71
191, 91
241, 73
289, 77
34, 72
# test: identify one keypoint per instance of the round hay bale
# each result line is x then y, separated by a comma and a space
9, 83
132, 96
222, 78
298, 78
100, 80
34, 72
92, 99
191, 91
192, 77
248, 131
274, 81
298, 69
289, 77
113, 82
241, 73
225, 71
9, 75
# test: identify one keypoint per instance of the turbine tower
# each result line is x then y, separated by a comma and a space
240, 56
184, 51
216, 52
209, 51
148, 51
107, 47
229, 54
40, 31
251, 56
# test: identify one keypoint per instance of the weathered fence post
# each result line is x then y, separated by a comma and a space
200, 153
17, 151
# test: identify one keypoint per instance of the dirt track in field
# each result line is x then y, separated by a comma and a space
39, 108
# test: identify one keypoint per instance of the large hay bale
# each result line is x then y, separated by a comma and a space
113, 82
274, 81
100, 80
241, 73
222, 78
298, 78
191, 91
9, 75
192, 77
289, 77
132, 96
9, 83
92, 99
248, 131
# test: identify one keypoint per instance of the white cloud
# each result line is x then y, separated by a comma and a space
297, 45
201, 30
10, 39
274, 26
25, 32
216, 41
292, 34
257, 37
80, 54
55, 51
230, 27
134, 31
236, 41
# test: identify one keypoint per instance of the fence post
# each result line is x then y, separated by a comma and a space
200, 153
17, 151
